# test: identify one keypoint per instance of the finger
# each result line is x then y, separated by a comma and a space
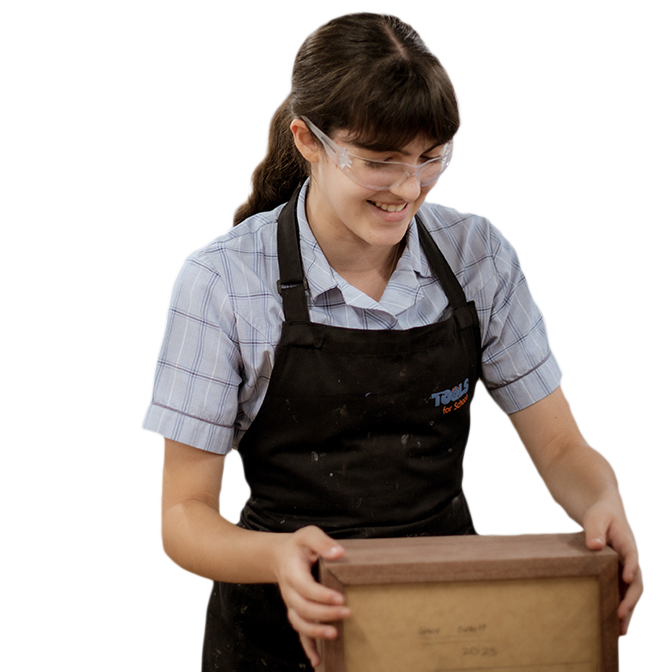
632, 596
300, 582
629, 601
623, 542
298, 576
624, 624
624, 613
630, 568
311, 629
311, 651
314, 611
628, 619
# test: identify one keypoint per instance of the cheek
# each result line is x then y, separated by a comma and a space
356, 196
420, 199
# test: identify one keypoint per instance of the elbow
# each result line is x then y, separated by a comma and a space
174, 534
168, 537
187, 528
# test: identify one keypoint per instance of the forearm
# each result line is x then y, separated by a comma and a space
201, 541
578, 477
584, 484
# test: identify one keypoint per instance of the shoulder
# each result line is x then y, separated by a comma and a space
452, 227
233, 278
243, 260
249, 244
474, 248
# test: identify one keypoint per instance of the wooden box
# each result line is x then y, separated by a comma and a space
536, 603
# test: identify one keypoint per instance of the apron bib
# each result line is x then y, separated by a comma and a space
361, 432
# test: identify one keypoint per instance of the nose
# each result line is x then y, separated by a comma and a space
408, 188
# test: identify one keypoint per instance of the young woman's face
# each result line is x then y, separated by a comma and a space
342, 211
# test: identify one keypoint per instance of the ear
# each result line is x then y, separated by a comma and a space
305, 142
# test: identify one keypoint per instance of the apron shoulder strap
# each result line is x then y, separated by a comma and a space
448, 280
292, 284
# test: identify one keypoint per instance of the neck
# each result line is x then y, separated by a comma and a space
375, 282
365, 264
346, 252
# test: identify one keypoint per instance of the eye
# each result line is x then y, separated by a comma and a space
381, 158
375, 156
375, 165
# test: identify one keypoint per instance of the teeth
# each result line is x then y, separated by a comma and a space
389, 207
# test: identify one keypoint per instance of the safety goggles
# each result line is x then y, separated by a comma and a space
381, 175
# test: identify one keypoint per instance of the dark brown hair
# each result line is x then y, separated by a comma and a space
369, 74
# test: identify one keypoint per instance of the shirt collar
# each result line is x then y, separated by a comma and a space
322, 278
417, 259
319, 274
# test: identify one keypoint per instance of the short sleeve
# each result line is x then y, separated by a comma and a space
518, 367
195, 396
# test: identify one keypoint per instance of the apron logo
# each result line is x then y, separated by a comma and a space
457, 396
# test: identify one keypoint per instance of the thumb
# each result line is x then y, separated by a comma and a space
320, 543
595, 525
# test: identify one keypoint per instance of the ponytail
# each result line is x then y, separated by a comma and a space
280, 172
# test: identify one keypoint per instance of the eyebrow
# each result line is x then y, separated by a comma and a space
401, 151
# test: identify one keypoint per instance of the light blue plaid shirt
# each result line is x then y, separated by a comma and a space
226, 315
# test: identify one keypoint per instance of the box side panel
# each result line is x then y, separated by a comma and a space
540, 625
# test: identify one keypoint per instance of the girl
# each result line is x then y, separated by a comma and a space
335, 337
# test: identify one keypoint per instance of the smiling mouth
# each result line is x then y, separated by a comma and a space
388, 207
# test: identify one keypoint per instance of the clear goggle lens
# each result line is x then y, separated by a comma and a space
381, 175
389, 174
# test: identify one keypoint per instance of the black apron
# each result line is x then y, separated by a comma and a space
361, 432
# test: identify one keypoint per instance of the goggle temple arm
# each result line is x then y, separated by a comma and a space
343, 160
338, 154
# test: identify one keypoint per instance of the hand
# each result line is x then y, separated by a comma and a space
310, 605
605, 523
